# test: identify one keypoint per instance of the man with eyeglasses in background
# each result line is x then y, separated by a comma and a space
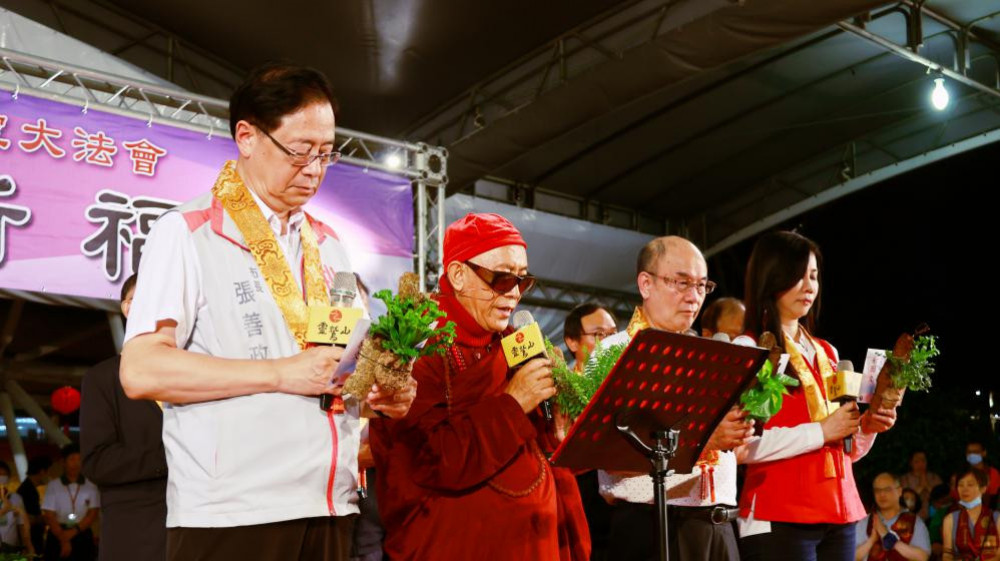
585, 325
257, 470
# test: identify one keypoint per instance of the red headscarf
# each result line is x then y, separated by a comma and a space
475, 234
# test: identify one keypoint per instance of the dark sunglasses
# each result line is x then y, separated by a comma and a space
502, 282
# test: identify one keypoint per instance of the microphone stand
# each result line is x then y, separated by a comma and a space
659, 455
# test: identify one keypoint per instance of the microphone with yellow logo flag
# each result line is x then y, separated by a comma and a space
525, 344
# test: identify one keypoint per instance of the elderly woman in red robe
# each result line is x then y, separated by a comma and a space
464, 475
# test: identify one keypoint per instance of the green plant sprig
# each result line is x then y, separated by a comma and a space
764, 399
407, 323
915, 374
575, 389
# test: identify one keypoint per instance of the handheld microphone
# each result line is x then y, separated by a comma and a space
344, 290
333, 325
844, 387
525, 344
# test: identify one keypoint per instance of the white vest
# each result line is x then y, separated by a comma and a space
258, 458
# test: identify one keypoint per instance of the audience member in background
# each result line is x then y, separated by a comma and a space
920, 480
122, 444
970, 533
723, 315
585, 325
911, 501
15, 533
891, 532
941, 505
70, 507
38, 476
975, 455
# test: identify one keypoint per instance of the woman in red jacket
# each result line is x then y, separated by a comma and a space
804, 507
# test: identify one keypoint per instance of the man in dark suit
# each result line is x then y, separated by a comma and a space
123, 453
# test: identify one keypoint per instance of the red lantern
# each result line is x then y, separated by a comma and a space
65, 400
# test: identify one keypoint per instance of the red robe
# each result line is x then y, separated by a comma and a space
463, 476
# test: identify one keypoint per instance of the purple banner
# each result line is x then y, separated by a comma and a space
80, 190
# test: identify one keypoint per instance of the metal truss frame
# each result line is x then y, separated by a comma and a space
426, 166
575, 52
566, 296
134, 38
849, 180
595, 42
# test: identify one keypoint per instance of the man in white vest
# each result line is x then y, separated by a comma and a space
257, 470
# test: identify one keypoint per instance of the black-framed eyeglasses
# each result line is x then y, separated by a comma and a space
600, 334
500, 281
326, 159
683, 284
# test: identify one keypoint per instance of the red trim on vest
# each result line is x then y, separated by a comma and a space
321, 229
333, 464
197, 218
218, 215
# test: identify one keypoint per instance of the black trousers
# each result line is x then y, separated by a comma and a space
598, 513
82, 545
326, 538
800, 542
634, 536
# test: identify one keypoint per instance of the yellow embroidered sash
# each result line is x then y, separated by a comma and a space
637, 323
230, 190
819, 407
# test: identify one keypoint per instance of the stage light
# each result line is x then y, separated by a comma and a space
940, 97
978, 393
394, 161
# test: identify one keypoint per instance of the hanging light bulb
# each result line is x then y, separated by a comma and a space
939, 97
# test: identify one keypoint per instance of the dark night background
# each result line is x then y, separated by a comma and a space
910, 250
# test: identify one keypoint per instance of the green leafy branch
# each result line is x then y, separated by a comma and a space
575, 389
915, 374
408, 322
764, 399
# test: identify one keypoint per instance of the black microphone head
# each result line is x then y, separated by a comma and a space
522, 318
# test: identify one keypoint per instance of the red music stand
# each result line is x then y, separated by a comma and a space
674, 388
